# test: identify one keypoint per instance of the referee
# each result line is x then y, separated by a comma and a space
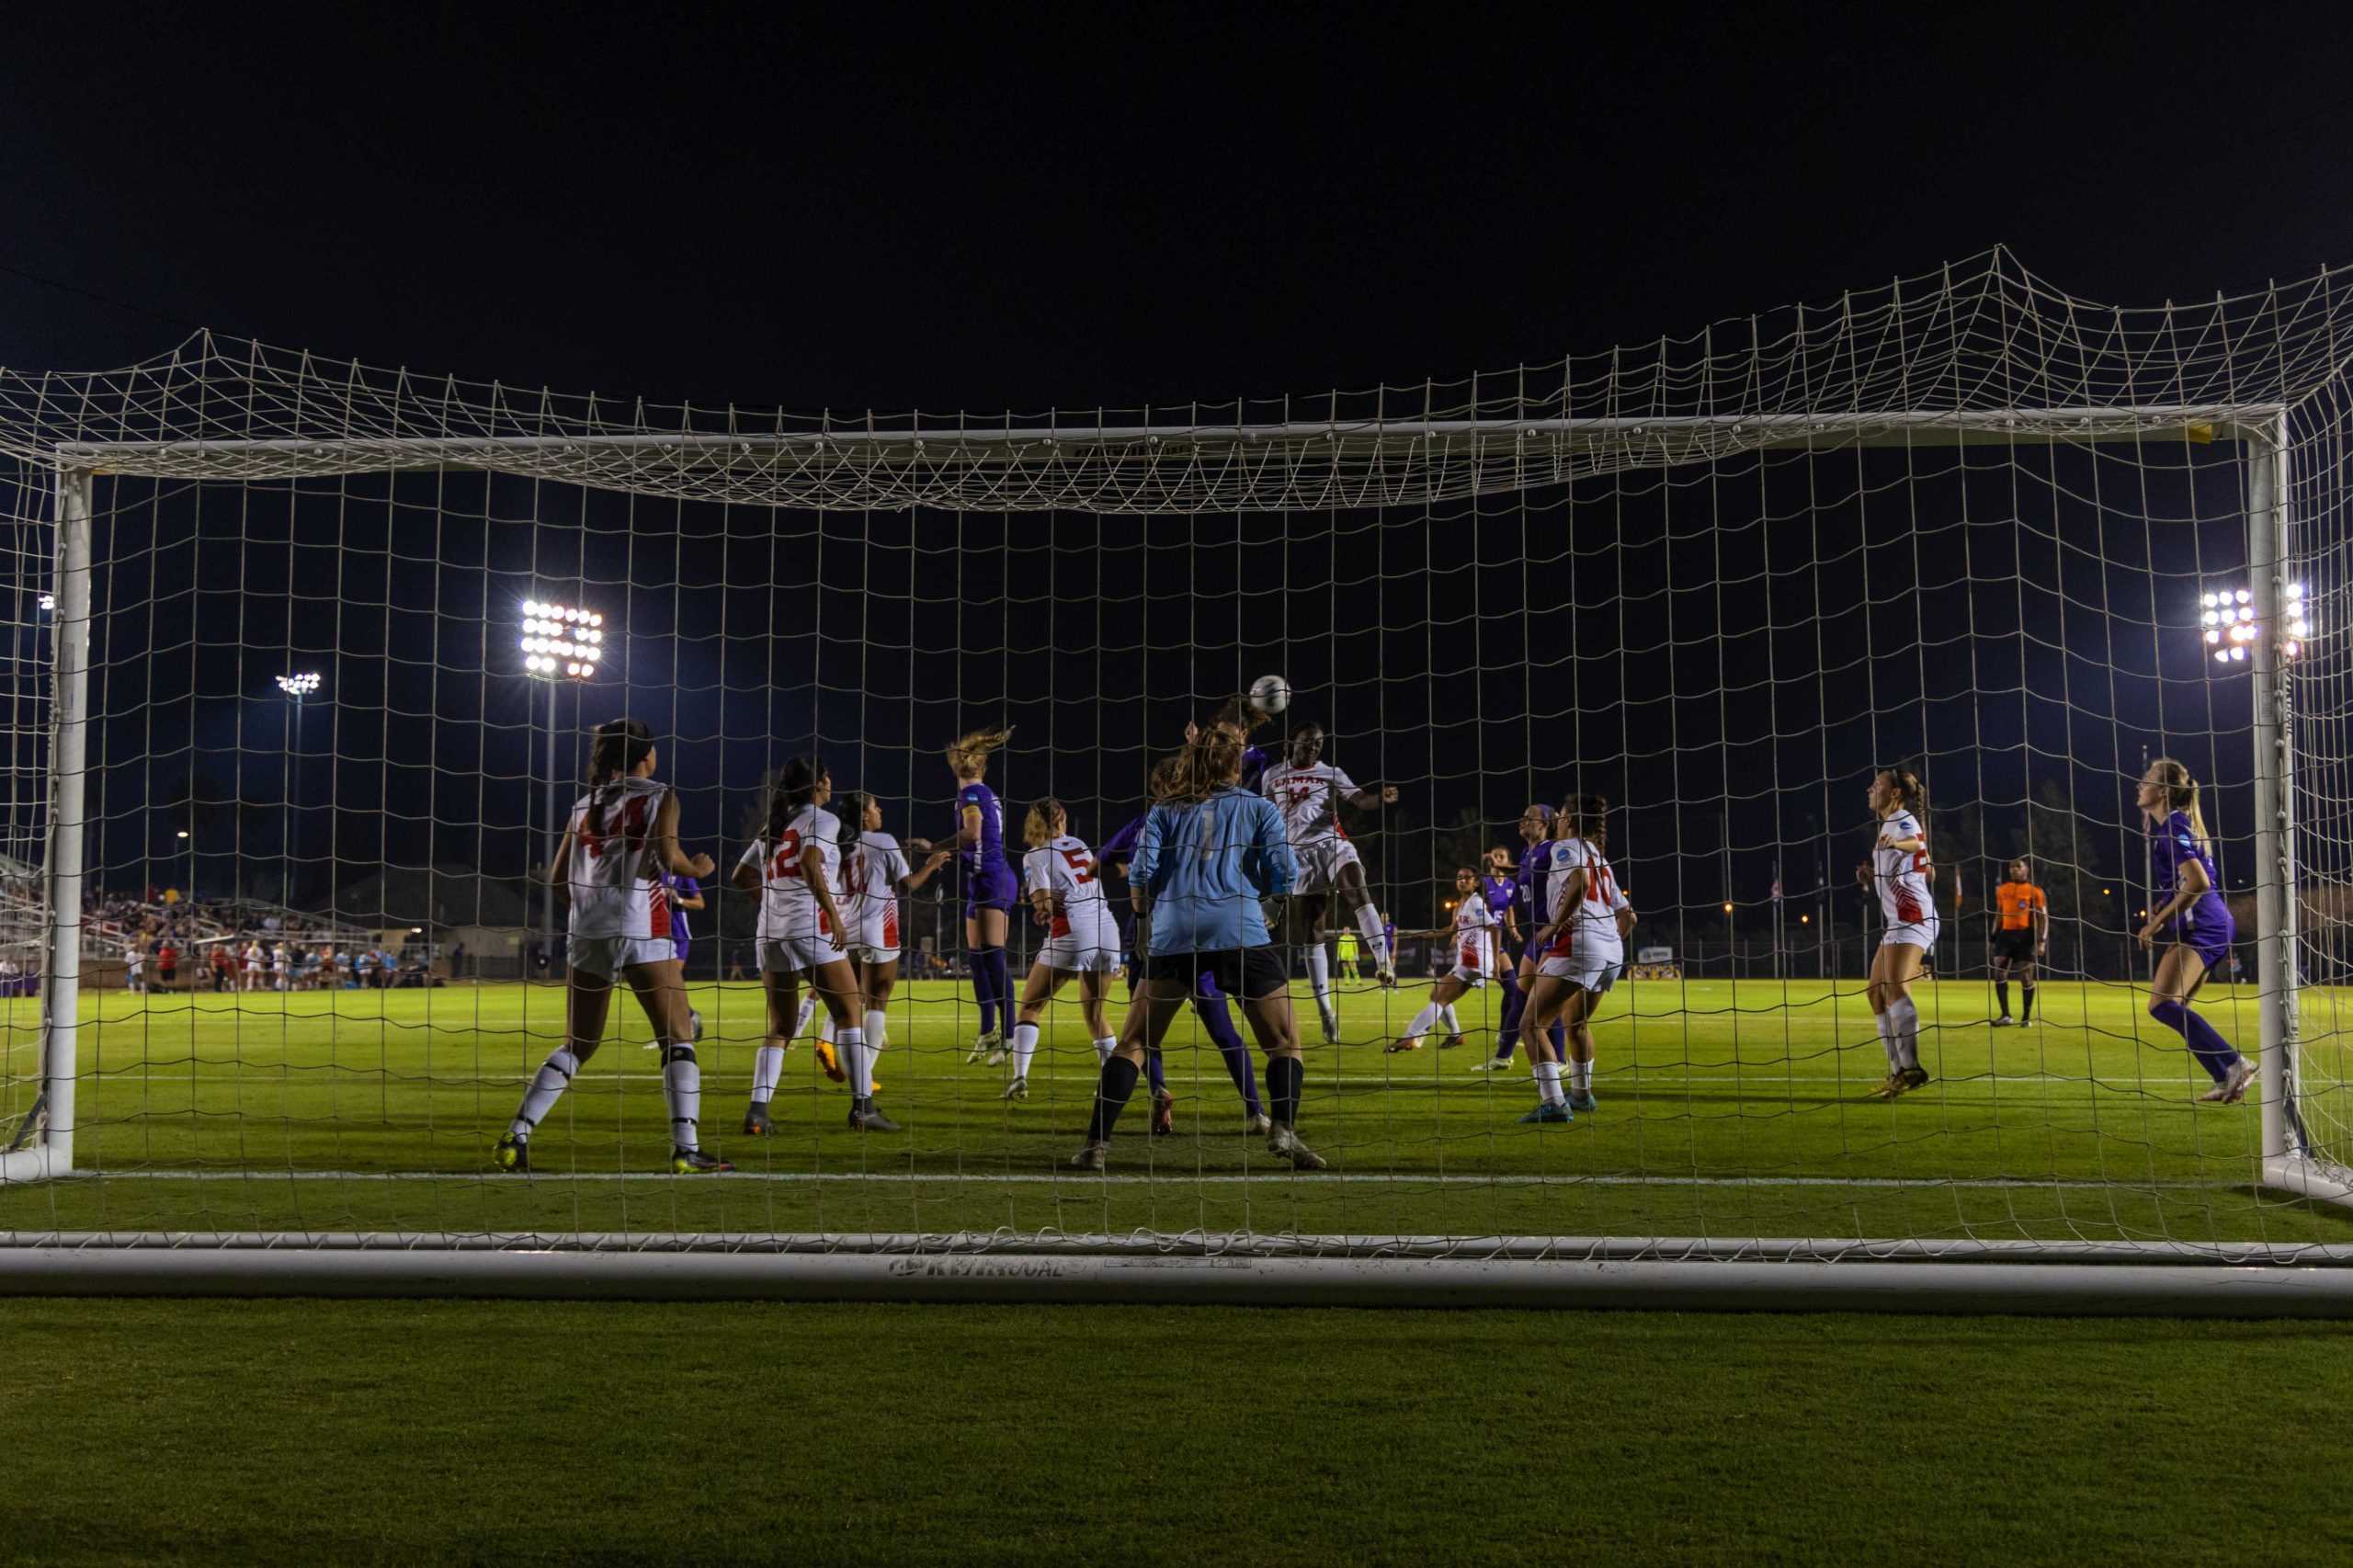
2022, 936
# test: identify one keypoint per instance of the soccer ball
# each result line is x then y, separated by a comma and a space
1270, 694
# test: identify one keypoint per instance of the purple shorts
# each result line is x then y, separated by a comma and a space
992, 887
2210, 939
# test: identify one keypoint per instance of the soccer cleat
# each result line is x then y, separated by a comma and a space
512, 1153
1285, 1144
871, 1120
1449, 1042
1257, 1125
1547, 1114
1404, 1043
1582, 1099
1016, 1090
757, 1122
1331, 1027
694, 1161
1089, 1158
982, 1045
1163, 1113
2233, 1086
1492, 1065
2005, 1022
830, 1062
1386, 977
1914, 1077
696, 1019
1888, 1087
1000, 1056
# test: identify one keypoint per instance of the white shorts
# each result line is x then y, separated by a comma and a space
1320, 861
1463, 974
1595, 972
1919, 934
797, 955
606, 957
874, 935
1079, 953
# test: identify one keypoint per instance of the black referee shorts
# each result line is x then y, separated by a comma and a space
2016, 946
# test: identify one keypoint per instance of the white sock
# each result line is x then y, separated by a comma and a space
682, 1086
1904, 1019
1024, 1046
1375, 936
1581, 1076
1319, 976
856, 1064
826, 1029
875, 1019
1886, 1026
1104, 1048
1548, 1084
1453, 1023
1423, 1021
767, 1068
547, 1085
801, 1024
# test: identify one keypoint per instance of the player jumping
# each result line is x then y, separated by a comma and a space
621, 841
990, 890
1309, 790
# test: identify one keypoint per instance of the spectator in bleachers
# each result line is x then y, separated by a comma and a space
167, 961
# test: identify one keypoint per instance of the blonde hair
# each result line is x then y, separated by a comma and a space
1208, 764
969, 754
2181, 795
1038, 827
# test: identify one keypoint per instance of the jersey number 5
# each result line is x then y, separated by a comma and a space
1082, 866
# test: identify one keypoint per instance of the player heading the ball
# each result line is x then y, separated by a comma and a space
1309, 793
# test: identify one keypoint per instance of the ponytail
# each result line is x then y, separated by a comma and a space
1587, 817
618, 747
968, 756
853, 815
796, 781
2181, 795
1038, 828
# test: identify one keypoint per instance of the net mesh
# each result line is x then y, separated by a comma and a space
1962, 523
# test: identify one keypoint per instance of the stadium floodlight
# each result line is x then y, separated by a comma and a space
2232, 625
560, 641
299, 687
48, 604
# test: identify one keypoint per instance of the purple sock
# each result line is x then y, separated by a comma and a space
1515, 1004
989, 968
1208, 1004
1153, 1073
983, 988
1559, 1035
2214, 1052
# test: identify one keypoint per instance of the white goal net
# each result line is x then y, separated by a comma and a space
304, 658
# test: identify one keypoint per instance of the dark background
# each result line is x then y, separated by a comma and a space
1079, 208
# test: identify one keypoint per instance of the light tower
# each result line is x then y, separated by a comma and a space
295, 688
562, 646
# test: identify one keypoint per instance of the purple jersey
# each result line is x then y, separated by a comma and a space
1253, 767
1529, 901
2206, 924
989, 853
1502, 894
685, 887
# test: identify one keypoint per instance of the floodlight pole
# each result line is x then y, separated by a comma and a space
52, 1154
2275, 824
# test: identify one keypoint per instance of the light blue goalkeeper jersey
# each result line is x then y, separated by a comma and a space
1205, 865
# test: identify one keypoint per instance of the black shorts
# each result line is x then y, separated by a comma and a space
1247, 973
2016, 946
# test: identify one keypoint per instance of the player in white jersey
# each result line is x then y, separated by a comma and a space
1473, 932
1584, 946
1065, 891
621, 839
1900, 871
875, 870
796, 866
1309, 790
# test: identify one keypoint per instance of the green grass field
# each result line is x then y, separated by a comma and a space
1724, 1112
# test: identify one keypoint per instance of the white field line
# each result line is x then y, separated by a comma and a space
1271, 1177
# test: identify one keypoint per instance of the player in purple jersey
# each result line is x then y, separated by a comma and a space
1529, 901
2189, 927
1209, 1002
686, 893
990, 888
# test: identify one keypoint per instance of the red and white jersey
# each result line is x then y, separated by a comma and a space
1065, 867
1309, 799
1902, 874
1474, 935
872, 876
789, 906
1590, 930
615, 884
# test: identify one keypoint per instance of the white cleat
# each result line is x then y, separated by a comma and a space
2005, 1022
1285, 1144
1492, 1065
1258, 1126
2233, 1089
990, 1041
1331, 1027
1016, 1090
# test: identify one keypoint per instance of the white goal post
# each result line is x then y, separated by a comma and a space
290, 419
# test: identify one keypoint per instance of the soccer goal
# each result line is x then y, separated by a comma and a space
304, 657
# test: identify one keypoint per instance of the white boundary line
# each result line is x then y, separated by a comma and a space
1273, 1175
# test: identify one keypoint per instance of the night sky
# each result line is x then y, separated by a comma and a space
1085, 208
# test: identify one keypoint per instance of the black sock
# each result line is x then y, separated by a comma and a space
2002, 994
1284, 1075
2027, 1011
1111, 1092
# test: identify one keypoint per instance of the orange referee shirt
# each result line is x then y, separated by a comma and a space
2018, 900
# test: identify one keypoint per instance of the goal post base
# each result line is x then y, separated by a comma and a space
36, 1161
2323, 1181
2218, 1289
